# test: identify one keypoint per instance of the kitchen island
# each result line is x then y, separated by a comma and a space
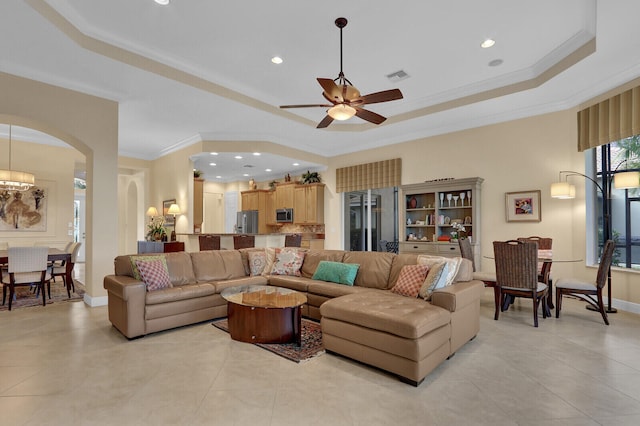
226, 240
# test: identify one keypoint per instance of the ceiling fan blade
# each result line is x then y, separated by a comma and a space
325, 122
331, 89
377, 97
369, 116
306, 106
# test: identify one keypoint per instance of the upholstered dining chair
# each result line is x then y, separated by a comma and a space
585, 290
293, 240
244, 241
209, 242
61, 270
27, 266
517, 275
53, 264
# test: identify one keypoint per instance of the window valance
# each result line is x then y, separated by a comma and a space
381, 174
610, 120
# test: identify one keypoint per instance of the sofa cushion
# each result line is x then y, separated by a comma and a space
287, 262
134, 266
436, 278
399, 261
407, 317
180, 293
235, 282
314, 257
410, 280
331, 290
293, 283
375, 268
180, 268
336, 272
257, 262
154, 274
453, 264
465, 271
216, 265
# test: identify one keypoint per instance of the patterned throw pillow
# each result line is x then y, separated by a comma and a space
133, 259
453, 264
410, 280
288, 262
436, 278
257, 262
154, 274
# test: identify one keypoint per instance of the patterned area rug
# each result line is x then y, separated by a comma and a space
25, 298
311, 342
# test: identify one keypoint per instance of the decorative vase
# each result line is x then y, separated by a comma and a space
413, 203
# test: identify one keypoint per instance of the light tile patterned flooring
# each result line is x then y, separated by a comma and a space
65, 364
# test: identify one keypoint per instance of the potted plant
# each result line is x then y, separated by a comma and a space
156, 229
310, 177
197, 173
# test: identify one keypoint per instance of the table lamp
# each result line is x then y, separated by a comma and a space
174, 209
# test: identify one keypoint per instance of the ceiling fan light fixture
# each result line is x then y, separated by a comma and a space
341, 112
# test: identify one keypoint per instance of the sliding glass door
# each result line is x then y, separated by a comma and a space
370, 217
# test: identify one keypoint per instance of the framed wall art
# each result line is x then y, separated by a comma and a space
24, 210
523, 206
168, 218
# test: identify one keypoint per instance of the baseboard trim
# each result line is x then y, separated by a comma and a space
624, 305
96, 301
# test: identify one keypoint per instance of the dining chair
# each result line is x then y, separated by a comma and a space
293, 240
544, 251
243, 241
67, 249
61, 270
466, 252
209, 242
27, 266
585, 290
517, 275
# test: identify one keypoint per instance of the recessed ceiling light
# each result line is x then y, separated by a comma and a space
267, 170
296, 164
212, 164
256, 154
213, 153
245, 174
218, 177
487, 43
162, 2
276, 60
238, 157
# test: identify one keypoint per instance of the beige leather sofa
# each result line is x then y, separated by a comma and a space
366, 322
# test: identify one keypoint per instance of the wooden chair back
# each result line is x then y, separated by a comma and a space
293, 240
516, 264
243, 241
209, 242
605, 263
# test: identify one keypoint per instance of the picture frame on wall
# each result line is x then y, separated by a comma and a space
523, 206
168, 218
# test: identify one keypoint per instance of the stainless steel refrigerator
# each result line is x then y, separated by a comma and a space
247, 222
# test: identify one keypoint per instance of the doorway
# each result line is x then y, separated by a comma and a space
370, 217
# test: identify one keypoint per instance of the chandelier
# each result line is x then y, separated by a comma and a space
14, 180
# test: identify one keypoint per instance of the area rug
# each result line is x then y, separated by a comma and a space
311, 342
26, 298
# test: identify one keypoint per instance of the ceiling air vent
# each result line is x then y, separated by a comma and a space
398, 76
248, 166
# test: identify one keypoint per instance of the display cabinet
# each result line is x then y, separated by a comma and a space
434, 213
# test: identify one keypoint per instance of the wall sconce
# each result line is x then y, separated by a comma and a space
174, 210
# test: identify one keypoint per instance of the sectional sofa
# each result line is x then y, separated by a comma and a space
366, 321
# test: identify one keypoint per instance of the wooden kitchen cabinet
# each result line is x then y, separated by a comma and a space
284, 195
270, 208
309, 204
250, 199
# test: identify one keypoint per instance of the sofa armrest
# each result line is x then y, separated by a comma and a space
127, 299
458, 295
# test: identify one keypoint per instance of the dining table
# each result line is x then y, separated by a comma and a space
54, 255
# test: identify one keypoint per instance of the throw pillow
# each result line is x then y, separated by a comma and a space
410, 280
288, 262
336, 272
453, 264
257, 262
154, 274
465, 271
436, 278
133, 259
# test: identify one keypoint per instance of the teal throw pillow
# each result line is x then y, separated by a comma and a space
336, 272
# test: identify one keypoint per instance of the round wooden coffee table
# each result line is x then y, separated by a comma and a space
264, 314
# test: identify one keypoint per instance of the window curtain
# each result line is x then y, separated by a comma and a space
610, 120
381, 174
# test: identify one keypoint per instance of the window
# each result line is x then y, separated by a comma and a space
604, 162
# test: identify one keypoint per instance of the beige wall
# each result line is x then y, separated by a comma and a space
90, 125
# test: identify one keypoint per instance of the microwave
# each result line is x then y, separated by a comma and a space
284, 215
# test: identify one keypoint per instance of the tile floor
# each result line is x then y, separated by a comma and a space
65, 364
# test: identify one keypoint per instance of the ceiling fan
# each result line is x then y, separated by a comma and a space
345, 99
